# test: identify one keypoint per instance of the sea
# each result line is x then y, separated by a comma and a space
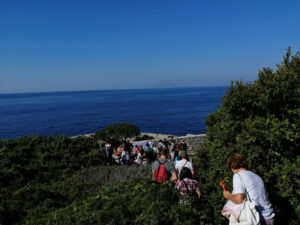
174, 111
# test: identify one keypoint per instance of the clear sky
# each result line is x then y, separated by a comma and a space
92, 45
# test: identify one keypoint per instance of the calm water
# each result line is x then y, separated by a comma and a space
175, 111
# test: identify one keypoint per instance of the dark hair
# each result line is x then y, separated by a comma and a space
147, 145
185, 173
237, 161
179, 147
164, 151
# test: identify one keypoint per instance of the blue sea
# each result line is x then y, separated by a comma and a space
177, 111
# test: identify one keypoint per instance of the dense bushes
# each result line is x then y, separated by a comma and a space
262, 121
47, 180
29, 167
105, 195
142, 202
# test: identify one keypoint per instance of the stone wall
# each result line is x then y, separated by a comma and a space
194, 141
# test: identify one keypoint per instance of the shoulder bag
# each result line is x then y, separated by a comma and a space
245, 213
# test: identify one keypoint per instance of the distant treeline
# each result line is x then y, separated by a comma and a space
61, 180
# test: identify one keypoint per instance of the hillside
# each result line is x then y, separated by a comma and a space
61, 180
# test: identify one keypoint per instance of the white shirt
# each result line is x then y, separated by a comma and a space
256, 190
151, 144
124, 155
179, 165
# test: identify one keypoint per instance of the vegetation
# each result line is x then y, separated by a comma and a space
118, 132
144, 137
262, 121
34, 172
48, 180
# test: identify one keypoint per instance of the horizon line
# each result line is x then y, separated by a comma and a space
122, 89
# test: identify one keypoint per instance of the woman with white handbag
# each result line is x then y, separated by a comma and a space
249, 191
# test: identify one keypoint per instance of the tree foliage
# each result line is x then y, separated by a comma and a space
262, 121
118, 132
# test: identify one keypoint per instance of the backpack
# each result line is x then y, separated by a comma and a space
192, 196
161, 173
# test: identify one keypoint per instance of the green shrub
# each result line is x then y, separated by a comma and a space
142, 202
118, 132
30, 165
261, 121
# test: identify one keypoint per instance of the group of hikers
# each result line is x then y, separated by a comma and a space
173, 164
247, 186
141, 154
169, 161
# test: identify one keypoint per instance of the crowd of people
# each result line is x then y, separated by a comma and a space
141, 154
170, 161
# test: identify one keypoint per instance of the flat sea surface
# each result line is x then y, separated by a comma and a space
177, 111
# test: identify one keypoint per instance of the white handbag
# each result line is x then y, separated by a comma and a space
248, 215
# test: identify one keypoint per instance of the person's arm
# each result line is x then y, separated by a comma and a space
173, 172
235, 198
176, 167
198, 193
154, 167
191, 167
238, 190
192, 171
144, 155
153, 175
173, 177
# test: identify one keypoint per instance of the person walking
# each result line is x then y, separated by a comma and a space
184, 145
187, 186
177, 153
149, 154
247, 181
124, 156
162, 169
184, 162
109, 153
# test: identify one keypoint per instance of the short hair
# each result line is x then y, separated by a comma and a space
147, 145
164, 151
179, 147
185, 173
236, 161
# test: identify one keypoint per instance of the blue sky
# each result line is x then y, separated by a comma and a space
93, 45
